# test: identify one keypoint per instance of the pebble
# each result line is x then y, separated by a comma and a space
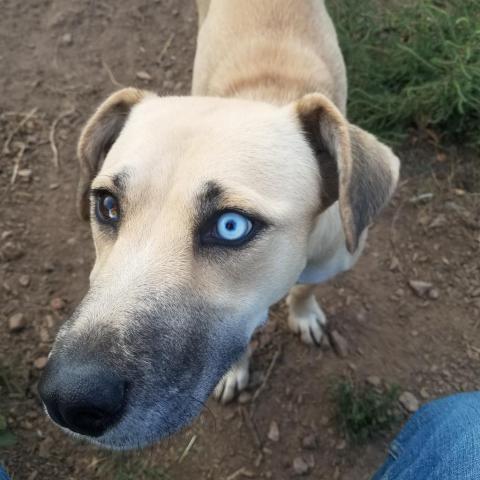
57, 303
25, 173
419, 287
12, 251
44, 335
143, 75
67, 39
16, 323
409, 402
361, 315
24, 280
340, 344
433, 294
40, 363
244, 397
309, 442
424, 393
49, 320
300, 466
274, 432
374, 381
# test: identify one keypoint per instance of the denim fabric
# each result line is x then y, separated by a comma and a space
3, 474
440, 442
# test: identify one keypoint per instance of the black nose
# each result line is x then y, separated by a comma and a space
85, 398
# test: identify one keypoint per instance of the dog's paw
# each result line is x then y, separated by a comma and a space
234, 381
306, 318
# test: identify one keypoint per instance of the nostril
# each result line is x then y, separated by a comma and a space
87, 399
89, 420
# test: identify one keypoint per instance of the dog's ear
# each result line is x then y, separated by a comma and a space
98, 136
355, 168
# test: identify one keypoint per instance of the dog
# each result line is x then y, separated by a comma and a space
206, 210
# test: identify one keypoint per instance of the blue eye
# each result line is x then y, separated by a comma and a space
233, 227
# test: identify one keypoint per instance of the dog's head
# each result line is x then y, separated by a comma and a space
201, 211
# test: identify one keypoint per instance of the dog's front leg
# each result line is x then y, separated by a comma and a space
235, 380
305, 317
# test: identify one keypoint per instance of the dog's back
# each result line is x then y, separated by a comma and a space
269, 50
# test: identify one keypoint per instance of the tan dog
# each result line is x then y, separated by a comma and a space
207, 210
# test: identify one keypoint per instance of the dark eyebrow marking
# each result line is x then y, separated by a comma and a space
208, 201
120, 180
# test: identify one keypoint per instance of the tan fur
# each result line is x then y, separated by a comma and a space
277, 146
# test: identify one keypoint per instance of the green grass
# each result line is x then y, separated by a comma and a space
364, 412
7, 438
414, 65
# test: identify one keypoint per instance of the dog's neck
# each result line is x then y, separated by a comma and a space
268, 86
277, 74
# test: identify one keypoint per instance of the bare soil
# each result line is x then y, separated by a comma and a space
58, 60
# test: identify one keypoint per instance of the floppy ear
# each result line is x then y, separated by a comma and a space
98, 136
355, 168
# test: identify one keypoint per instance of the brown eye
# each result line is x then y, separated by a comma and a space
107, 208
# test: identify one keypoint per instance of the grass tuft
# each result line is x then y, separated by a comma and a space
364, 412
413, 65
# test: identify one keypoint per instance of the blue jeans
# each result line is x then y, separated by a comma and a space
440, 442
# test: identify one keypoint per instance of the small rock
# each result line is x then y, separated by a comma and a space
24, 280
12, 251
394, 264
424, 393
57, 303
143, 75
361, 316
409, 402
67, 39
439, 221
274, 432
53, 186
300, 466
341, 445
419, 287
168, 85
44, 335
40, 362
49, 267
374, 381
433, 294
244, 397
50, 321
475, 293
340, 344
16, 323
25, 173
309, 442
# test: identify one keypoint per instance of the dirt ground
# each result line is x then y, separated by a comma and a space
58, 60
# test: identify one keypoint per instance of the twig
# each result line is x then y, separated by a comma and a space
165, 47
241, 471
51, 135
251, 426
265, 380
16, 162
111, 76
187, 449
24, 120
